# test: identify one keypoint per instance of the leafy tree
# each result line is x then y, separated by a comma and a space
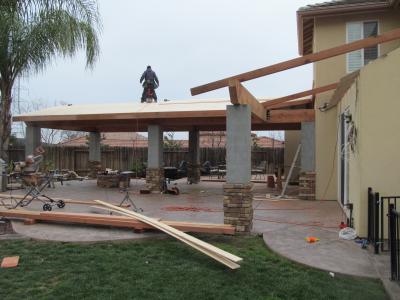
32, 34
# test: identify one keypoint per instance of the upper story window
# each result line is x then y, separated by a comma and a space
357, 31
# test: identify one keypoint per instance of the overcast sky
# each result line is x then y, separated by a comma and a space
187, 43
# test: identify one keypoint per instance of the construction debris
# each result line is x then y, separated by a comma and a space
10, 262
218, 254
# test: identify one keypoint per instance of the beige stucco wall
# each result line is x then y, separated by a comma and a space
330, 32
374, 102
292, 141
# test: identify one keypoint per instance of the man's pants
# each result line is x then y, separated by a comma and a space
144, 95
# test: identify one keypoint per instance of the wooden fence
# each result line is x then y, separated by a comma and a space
126, 158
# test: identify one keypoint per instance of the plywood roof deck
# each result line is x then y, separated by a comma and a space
131, 117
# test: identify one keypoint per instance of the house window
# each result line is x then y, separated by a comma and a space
357, 31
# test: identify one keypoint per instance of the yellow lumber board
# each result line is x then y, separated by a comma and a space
218, 257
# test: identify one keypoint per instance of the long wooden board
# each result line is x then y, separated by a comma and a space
115, 221
153, 222
217, 256
300, 61
291, 115
228, 259
313, 92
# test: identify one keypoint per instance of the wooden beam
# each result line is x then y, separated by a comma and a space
291, 115
219, 255
113, 220
319, 90
291, 103
300, 61
240, 95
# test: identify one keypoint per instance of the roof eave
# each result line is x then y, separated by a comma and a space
332, 11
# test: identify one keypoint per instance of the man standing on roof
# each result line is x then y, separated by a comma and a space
150, 80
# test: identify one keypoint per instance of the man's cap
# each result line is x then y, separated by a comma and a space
149, 67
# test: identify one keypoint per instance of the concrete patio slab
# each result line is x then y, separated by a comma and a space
284, 223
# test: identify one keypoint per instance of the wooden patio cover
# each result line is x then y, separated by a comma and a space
278, 114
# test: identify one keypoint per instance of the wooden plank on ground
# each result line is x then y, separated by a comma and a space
220, 255
112, 220
300, 61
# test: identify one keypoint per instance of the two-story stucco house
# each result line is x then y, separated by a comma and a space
357, 127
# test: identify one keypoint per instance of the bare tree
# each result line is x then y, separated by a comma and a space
49, 136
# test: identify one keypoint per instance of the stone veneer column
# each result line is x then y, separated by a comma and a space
238, 198
32, 139
94, 154
155, 170
194, 157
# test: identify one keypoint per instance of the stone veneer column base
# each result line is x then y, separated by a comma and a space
154, 179
307, 186
193, 173
94, 168
238, 206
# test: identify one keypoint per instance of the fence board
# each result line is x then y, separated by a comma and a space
125, 158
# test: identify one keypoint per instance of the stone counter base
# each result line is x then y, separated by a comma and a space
154, 179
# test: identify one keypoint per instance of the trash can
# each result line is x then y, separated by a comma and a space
3, 176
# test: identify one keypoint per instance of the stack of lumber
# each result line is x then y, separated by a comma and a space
217, 254
112, 220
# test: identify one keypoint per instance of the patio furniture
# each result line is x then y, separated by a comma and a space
171, 172
205, 169
219, 171
182, 169
260, 170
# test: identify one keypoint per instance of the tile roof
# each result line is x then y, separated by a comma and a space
335, 3
207, 140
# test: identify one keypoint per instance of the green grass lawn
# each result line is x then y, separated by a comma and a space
167, 269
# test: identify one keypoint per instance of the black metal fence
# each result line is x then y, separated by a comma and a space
394, 242
383, 214
378, 211
373, 219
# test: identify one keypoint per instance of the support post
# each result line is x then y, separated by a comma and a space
194, 157
307, 176
94, 154
32, 139
155, 170
238, 197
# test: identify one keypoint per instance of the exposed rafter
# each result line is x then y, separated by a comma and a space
300, 61
291, 115
292, 103
322, 89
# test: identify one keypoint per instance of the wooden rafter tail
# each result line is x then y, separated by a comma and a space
312, 92
240, 95
229, 259
300, 61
